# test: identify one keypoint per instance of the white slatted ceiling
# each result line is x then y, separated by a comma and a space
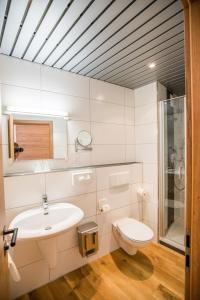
54, 13
163, 55
141, 46
144, 70
94, 10
15, 16
92, 32
31, 22
72, 14
92, 69
142, 54
111, 40
91, 49
89, 36
2, 12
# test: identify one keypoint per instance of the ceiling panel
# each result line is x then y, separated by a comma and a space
3, 15
91, 15
163, 42
162, 65
140, 65
140, 37
111, 40
56, 12
113, 22
13, 24
92, 33
33, 19
76, 9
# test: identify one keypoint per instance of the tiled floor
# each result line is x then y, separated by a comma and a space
155, 272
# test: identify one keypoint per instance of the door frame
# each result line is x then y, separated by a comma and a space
192, 66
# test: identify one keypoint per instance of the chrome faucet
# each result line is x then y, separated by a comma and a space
45, 204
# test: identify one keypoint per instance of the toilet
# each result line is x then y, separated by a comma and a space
131, 234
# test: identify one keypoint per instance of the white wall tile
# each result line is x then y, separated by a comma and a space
20, 97
129, 115
78, 159
129, 97
146, 114
146, 94
64, 82
146, 134
150, 212
103, 174
26, 252
116, 197
14, 72
32, 276
59, 185
146, 153
67, 261
136, 211
23, 190
130, 135
108, 134
130, 153
105, 154
107, 112
150, 173
152, 192
77, 107
87, 202
161, 92
103, 91
136, 172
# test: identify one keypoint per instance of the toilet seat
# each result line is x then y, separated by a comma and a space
134, 230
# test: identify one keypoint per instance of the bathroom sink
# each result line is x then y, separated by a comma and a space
34, 224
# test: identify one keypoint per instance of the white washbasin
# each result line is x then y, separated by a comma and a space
33, 224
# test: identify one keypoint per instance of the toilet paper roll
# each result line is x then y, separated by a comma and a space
13, 269
141, 192
105, 208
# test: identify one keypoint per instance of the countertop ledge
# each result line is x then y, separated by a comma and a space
69, 169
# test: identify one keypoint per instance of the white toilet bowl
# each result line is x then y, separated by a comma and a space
132, 234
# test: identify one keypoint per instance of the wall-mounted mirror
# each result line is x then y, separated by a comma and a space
36, 137
84, 140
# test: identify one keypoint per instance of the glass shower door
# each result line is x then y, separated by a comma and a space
172, 172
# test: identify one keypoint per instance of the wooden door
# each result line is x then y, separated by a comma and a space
192, 50
4, 286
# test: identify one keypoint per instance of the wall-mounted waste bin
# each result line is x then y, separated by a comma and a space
88, 238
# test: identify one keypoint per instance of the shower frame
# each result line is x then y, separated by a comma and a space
161, 182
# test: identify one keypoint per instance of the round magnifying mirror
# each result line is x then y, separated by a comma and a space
84, 138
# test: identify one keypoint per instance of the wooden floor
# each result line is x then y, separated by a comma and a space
155, 272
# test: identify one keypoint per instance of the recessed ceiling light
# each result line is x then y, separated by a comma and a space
152, 65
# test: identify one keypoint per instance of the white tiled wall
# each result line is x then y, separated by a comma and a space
93, 105
23, 192
146, 139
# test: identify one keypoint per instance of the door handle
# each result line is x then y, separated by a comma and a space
14, 232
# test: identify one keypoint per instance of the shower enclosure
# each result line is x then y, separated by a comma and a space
172, 185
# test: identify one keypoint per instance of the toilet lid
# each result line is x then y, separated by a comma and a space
134, 230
